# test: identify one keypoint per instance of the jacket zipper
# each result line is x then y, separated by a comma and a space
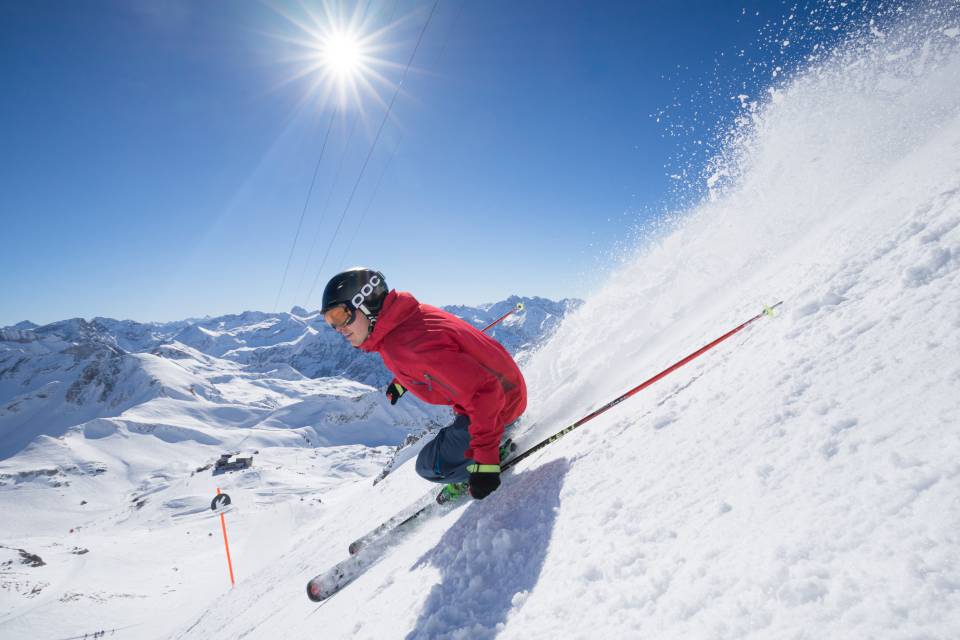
430, 380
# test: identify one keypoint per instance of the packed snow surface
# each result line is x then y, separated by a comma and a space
798, 481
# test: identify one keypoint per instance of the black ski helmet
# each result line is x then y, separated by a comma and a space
359, 288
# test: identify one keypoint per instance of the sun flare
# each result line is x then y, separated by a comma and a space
340, 54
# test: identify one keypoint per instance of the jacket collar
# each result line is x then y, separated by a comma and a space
397, 307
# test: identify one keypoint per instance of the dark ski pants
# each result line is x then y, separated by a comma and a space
442, 459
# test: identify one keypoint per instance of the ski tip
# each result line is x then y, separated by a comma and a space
520, 306
314, 592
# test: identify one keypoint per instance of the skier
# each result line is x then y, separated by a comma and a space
442, 360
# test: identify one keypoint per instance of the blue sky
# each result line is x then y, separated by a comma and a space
156, 157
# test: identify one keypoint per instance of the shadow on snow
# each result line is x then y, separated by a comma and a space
494, 552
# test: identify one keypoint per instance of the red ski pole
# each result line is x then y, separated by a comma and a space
516, 309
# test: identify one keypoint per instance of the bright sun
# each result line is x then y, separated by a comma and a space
342, 55
339, 54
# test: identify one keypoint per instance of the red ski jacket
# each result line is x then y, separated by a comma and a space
443, 360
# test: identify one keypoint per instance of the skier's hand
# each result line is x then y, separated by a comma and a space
395, 390
484, 479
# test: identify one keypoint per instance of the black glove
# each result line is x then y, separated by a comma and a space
395, 390
484, 479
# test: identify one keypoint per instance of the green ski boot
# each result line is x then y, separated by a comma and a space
508, 447
455, 491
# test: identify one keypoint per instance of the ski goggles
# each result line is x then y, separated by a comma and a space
339, 316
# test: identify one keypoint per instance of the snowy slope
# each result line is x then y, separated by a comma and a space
798, 481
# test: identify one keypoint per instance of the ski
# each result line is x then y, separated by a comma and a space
413, 511
343, 573
340, 575
375, 547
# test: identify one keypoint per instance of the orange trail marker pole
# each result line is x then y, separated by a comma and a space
226, 545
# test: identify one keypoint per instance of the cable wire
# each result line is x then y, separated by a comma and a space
373, 146
376, 188
373, 195
303, 213
326, 204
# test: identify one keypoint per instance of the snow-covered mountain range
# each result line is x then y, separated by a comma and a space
299, 338
67, 373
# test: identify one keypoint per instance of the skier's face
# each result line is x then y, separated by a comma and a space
357, 331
